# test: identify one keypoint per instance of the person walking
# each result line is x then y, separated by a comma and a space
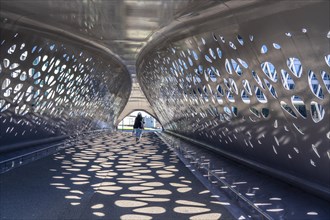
138, 126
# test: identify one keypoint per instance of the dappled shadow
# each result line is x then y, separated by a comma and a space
114, 177
259, 195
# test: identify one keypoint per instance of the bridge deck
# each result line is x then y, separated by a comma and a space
112, 177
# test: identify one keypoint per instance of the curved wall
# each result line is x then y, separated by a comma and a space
252, 80
52, 85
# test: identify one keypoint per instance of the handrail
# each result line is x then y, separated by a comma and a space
203, 163
29, 153
56, 147
304, 184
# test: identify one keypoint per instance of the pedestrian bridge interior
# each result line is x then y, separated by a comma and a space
241, 89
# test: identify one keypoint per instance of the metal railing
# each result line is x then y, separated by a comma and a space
21, 159
214, 176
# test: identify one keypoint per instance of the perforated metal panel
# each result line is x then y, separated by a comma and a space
250, 79
52, 86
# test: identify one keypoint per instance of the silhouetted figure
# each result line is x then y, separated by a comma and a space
138, 126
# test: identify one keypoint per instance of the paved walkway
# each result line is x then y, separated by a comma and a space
109, 177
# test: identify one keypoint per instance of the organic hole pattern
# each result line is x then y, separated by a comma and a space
53, 89
243, 98
141, 180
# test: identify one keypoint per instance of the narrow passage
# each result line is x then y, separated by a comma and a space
109, 177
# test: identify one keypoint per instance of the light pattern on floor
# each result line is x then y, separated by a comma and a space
144, 180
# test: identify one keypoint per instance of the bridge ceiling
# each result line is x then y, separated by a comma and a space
124, 26
251, 78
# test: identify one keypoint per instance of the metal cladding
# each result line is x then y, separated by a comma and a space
51, 86
249, 78
252, 81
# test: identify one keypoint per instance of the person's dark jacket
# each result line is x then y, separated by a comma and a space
138, 123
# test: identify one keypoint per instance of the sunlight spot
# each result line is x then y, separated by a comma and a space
190, 210
135, 195
135, 164
77, 191
140, 188
62, 187
100, 214
312, 213
105, 192
142, 171
97, 206
106, 173
129, 203
58, 177
131, 181
104, 184
106, 165
110, 188
144, 177
104, 177
152, 184
130, 174
127, 178
156, 166
186, 202
141, 161
220, 203
209, 216
80, 183
178, 185
163, 172
93, 170
173, 170
150, 210
72, 197
81, 161
75, 170
79, 165
262, 204
57, 184
204, 192
274, 210
83, 175
166, 176
135, 217
184, 190
158, 192
186, 181
154, 199
129, 169
123, 166
250, 194
156, 163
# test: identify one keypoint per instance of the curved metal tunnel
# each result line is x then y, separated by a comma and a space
248, 79
252, 82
